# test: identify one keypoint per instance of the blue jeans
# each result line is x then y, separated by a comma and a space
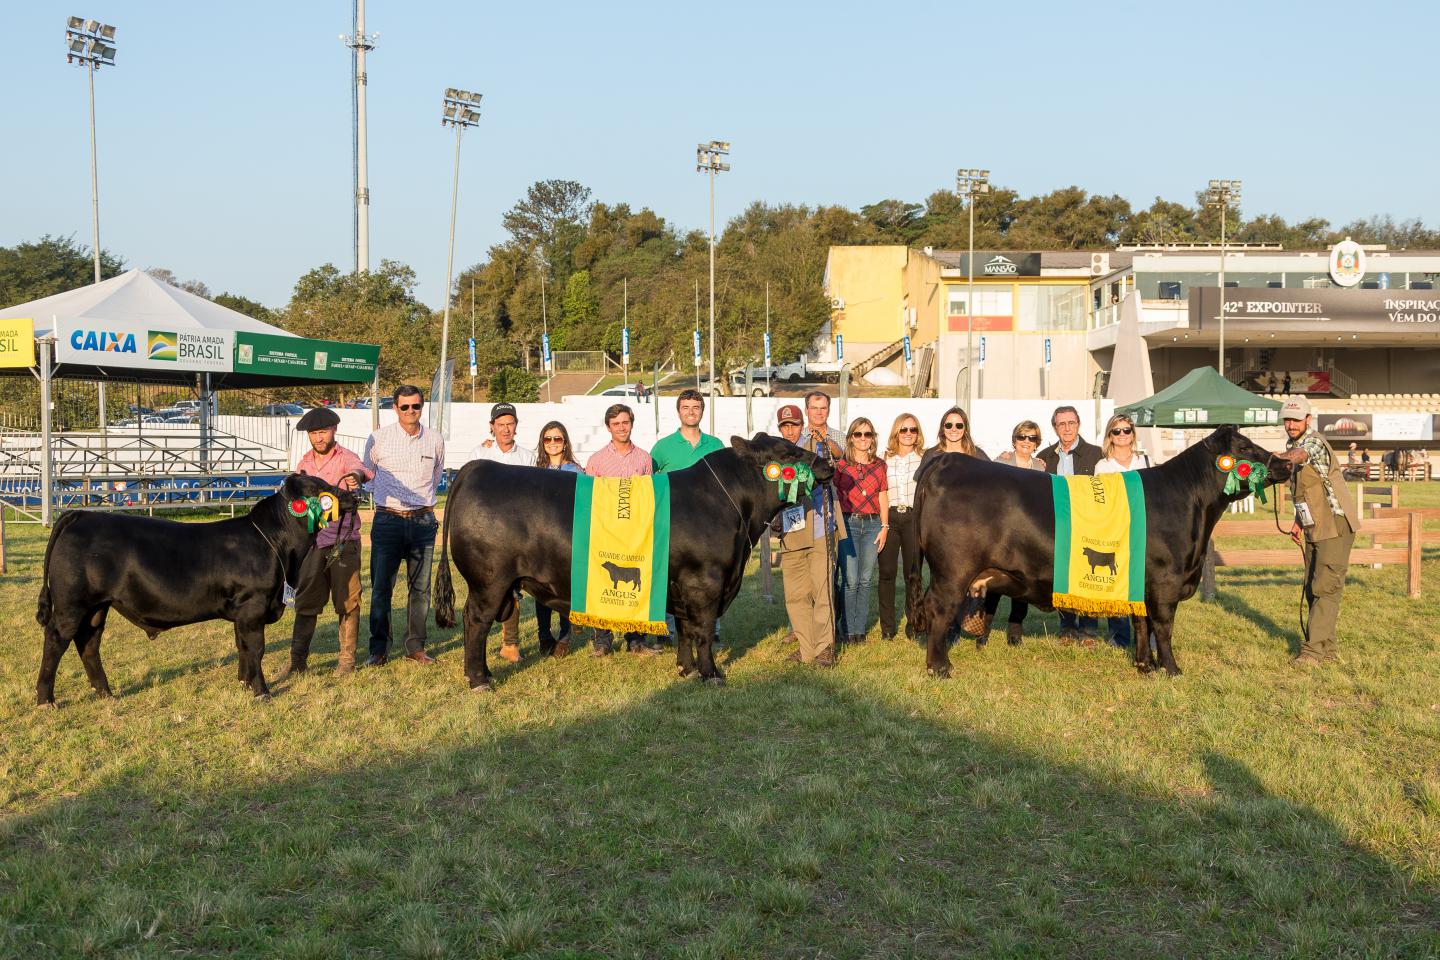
1119, 629
543, 615
392, 539
858, 561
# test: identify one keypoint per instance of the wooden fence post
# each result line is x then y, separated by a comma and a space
1207, 573
1412, 562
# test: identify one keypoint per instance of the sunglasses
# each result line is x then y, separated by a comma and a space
908, 430
408, 406
1031, 437
955, 426
862, 435
554, 439
1122, 431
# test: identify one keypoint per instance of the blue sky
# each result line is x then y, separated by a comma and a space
225, 129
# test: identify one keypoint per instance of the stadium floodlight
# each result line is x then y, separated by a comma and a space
459, 109
1222, 195
968, 182
708, 160
90, 44
75, 23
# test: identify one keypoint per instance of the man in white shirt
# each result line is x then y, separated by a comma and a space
503, 449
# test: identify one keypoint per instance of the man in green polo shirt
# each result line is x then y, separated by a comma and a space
688, 445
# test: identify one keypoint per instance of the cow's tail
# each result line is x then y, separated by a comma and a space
46, 604
915, 623
444, 586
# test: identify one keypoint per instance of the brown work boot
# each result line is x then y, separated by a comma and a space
826, 658
510, 652
349, 633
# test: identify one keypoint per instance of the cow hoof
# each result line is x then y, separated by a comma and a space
262, 698
482, 686
940, 673
715, 681
47, 705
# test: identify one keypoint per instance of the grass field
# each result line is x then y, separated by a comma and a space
1046, 802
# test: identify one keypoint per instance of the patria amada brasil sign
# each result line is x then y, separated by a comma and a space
142, 347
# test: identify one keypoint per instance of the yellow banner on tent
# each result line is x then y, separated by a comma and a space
620, 559
1100, 544
17, 342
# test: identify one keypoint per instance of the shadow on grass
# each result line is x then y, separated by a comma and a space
784, 817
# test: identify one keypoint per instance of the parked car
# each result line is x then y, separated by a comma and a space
363, 403
758, 387
626, 391
282, 410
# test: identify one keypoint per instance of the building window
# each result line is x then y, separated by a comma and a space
994, 307
1052, 307
1170, 290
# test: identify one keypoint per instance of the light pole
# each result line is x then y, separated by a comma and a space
360, 43
969, 182
707, 160
91, 44
461, 109
1221, 194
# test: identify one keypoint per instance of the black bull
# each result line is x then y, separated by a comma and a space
991, 527
160, 574
510, 527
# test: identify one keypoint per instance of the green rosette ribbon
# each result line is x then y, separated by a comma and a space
310, 509
1247, 473
792, 480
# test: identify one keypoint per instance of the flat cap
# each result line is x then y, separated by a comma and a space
318, 419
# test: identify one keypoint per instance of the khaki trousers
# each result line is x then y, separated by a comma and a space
808, 582
338, 584
1326, 562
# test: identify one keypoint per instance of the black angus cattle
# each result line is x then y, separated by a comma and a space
160, 574
619, 575
991, 527
512, 529
1099, 558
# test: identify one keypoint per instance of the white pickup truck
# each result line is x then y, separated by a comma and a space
805, 370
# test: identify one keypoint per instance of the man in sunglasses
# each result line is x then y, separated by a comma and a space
1072, 456
502, 448
408, 462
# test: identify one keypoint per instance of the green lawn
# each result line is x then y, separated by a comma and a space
1045, 802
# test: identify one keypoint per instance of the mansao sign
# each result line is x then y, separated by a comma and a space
17, 343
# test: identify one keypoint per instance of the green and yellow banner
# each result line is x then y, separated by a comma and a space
620, 565
1100, 544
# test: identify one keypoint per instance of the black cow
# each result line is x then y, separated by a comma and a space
991, 527
619, 575
160, 574
1099, 558
513, 529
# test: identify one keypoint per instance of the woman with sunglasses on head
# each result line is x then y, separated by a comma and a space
555, 454
1120, 456
902, 462
861, 484
1024, 442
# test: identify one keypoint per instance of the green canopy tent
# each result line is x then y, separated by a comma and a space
1202, 398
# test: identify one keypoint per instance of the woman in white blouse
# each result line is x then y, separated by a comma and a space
1118, 446
902, 461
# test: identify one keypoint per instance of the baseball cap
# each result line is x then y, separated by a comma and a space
503, 410
1296, 408
789, 414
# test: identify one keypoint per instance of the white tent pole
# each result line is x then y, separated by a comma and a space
47, 477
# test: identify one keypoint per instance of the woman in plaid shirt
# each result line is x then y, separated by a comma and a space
861, 484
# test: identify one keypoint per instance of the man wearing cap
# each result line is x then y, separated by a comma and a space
688, 445
806, 573
1326, 519
502, 448
319, 581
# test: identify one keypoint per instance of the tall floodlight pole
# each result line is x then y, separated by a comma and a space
91, 44
969, 182
1221, 194
461, 109
360, 43
707, 160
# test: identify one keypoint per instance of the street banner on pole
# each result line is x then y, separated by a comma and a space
545, 349
1047, 351
767, 348
907, 349
839, 347
625, 346
697, 348
473, 369
981, 363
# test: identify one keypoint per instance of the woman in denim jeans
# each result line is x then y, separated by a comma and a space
862, 488
554, 454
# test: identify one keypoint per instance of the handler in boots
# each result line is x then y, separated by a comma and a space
1326, 519
337, 582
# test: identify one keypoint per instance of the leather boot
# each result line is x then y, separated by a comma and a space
349, 633
299, 646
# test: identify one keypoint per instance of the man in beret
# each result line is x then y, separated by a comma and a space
338, 582
502, 448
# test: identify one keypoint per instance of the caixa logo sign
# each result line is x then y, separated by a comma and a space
102, 341
1001, 266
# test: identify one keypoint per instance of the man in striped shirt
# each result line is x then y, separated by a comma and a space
408, 461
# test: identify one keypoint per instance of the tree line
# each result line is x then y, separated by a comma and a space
568, 262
